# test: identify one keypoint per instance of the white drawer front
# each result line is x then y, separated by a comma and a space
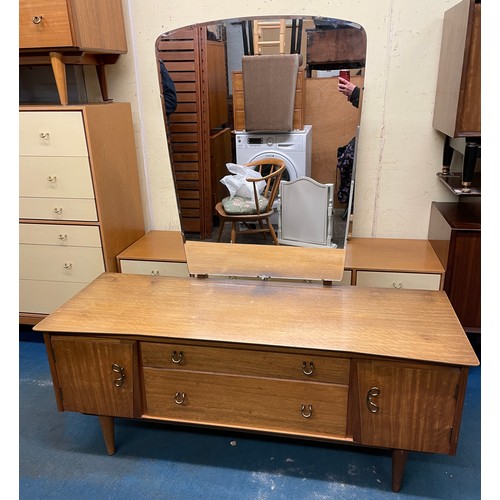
52, 263
52, 133
154, 268
55, 177
57, 209
44, 297
346, 279
410, 281
59, 234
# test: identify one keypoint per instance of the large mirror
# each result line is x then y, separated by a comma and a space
209, 127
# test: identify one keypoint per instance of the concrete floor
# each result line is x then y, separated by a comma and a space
62, 456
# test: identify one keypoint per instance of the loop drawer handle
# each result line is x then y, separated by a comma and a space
37, 19
176, 358
44, 135
372, 393
67, 265
63, 237
309, 411
306, 371
397, 284
155, 273
57, 211
118, 382
52, 178
179, 398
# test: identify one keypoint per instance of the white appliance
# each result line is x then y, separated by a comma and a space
294, 148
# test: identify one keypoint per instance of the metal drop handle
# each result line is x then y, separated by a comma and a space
118, 382
52, 178
44, 135
57, 211
37, 19
179, 398
309, 412
372, 393
307, 371
397, 284
176, 358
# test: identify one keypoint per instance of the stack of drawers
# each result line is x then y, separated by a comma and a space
70, 210
55, 184
261, 390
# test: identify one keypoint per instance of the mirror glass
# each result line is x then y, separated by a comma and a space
208, 127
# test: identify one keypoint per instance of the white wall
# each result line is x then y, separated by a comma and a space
399, 151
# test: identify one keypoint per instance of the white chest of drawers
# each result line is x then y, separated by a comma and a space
77, 179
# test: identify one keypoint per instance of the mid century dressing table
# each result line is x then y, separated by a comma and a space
375, 367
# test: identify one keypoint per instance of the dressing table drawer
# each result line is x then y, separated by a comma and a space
413, 281
311, 409
154, 268
246, 362
60, 235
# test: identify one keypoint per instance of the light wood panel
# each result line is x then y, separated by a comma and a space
226, 259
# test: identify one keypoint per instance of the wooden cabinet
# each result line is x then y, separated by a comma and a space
199, 135
95, 376
63, 32
157, 253
455, 235
393, 263
397, 412
379, 368
77, 179
457, 112
457, 109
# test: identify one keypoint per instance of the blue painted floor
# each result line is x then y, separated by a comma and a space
62, 456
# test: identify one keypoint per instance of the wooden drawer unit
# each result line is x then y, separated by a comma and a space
157, 253
273, 405
398, 280
77, 177
227, 386
394, 263
246, 362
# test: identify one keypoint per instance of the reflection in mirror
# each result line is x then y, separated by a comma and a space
218, 69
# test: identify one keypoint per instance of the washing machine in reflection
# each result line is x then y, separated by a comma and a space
294, 148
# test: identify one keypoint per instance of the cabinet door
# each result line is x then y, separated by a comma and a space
407, 406
95, 376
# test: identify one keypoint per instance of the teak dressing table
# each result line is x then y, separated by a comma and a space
372, 367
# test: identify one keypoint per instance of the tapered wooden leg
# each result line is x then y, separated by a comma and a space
59, 70
399, 458
108, 432
103, 84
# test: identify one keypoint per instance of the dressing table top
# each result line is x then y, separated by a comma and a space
406, 324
